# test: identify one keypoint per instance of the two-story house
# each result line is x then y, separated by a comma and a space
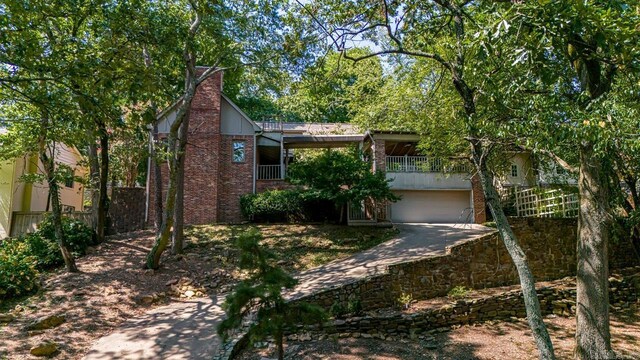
20, 201
229, 155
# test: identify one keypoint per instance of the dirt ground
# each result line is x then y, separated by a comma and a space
495, 341
112, 285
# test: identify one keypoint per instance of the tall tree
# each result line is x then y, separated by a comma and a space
440, 32
221, 34
572, 61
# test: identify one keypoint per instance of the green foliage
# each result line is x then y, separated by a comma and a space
340, 176
46, 252
261, 293
458, 292
405, 300
77, 234
274, 205
18, 274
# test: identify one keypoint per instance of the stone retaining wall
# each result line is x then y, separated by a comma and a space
558, 299
550, 246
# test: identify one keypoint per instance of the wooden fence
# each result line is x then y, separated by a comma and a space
541, 202
27, 222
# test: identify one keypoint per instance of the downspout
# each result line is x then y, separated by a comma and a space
255, 153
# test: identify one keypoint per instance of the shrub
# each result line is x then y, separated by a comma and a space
18, 274
77, 234
45, 251
274, 205
458, 292
262, 292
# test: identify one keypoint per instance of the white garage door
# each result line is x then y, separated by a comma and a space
432, 206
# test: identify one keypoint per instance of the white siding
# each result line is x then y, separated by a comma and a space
427, 181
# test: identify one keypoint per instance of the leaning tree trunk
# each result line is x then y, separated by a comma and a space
593, 339
56, 210
519, 258
178, 228
164, 235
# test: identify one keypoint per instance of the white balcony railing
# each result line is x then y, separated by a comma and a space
270, 172
421, 164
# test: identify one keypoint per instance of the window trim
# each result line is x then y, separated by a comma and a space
244, 151
514, 169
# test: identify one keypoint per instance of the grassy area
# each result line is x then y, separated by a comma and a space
298, 247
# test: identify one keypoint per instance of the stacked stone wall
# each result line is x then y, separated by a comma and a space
549, 244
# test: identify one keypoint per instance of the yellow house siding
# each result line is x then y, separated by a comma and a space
6, 196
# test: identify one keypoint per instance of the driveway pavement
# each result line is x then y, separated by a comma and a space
187, 330
414, 241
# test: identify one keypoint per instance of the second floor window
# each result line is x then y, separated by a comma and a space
238, 151
514, 170
68, 182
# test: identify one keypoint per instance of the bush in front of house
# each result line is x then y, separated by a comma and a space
22, 258
274, 205
18, 273
76, 233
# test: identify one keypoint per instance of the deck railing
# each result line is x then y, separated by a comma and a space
270, 172
422, 164
271, 126
27, 222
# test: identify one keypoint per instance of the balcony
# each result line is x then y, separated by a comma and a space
422, 173
270, 172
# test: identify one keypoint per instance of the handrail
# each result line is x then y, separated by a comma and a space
421, 164
270, 172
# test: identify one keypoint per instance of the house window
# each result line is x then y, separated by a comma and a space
514, 170
238, 151
68, 182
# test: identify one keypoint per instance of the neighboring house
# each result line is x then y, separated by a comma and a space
18, 198
229, 155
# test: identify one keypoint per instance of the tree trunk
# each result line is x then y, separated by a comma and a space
103, 200
163, 237
56, 209
178, 229
157, 173
94, 180
280, 345
519, 258
593, 339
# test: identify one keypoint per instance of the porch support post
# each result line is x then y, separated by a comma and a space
281, 158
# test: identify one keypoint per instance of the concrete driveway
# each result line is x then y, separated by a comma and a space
187, 330
414, 241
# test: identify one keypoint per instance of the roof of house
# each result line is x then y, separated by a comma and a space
311, 128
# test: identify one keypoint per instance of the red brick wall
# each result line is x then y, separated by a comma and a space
202, 156
235, 178
479, 212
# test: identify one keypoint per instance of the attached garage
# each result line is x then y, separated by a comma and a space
441, 206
